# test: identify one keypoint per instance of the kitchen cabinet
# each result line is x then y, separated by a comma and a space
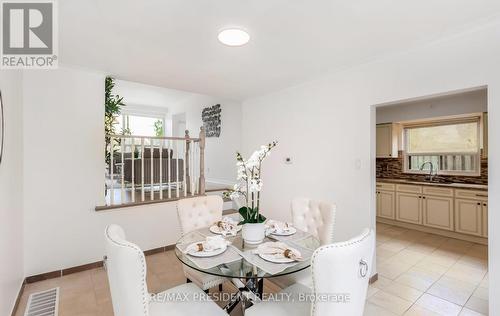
409, 208
459, 210
469, 217
387, 140
438, 212
485, 219
485, 135
386, 206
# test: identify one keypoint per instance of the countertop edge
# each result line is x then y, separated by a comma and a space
447, 185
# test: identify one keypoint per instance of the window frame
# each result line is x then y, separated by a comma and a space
462, 120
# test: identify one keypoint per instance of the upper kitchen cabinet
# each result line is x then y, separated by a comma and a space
387, 140
485, 135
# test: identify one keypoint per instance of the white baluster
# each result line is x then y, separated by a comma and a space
169, 170
177, 168
185, 169
152, 193
112, 191
161, 168
193, 178
122, 194
133, 170
142, 169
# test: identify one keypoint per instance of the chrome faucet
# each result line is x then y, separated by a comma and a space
431, 173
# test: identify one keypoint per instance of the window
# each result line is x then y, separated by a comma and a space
141, 125
452, 147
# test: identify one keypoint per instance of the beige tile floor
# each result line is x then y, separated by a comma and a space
425, 274
419, 274
87, 293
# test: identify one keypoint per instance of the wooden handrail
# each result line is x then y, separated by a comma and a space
154, 137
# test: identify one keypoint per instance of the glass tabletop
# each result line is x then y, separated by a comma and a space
239, 261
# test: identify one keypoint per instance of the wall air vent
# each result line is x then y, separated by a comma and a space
44, 303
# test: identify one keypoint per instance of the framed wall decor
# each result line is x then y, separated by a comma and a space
211, 117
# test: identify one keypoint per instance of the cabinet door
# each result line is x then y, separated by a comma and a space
386, 204
485, 135
384, 141
438, 212
468, 217
409, 208
485, 219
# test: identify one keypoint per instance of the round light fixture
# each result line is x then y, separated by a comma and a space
233, 37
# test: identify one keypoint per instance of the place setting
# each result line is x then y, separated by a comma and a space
225, 227
209, 252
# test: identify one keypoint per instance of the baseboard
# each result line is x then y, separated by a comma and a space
373, 279
18, 299
84, 267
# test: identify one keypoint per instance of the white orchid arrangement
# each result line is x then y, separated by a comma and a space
250, 183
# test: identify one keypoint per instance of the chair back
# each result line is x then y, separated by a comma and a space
126, 269
342, 269
317, 218
199, 212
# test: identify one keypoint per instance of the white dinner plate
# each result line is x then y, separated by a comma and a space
216, 229
291, 230
272, 258
191, 250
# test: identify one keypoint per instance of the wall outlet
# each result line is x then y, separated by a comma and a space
288, 160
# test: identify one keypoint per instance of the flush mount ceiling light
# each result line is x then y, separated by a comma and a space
233, 37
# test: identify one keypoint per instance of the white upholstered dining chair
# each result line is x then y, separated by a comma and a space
126, 268
316, 218
340, 273
195, 213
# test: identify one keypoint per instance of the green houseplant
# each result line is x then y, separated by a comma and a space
112, 109
248, 189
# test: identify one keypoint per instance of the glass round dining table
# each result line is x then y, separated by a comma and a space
241, 265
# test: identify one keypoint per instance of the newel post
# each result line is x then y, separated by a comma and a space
201, 183
186, 162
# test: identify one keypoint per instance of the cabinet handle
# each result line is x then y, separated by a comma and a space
478, 203
484, 204
423, 197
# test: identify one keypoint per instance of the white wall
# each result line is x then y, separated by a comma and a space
327, 125
64, 170
64, 176
220, 151
11, 189
456, 104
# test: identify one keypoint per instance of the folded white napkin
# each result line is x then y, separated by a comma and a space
211, 243
278, 250
278, 227
227, 226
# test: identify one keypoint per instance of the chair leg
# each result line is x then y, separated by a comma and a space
220, 287
188, 281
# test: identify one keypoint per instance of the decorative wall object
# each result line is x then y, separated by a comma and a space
211, 120
1, 127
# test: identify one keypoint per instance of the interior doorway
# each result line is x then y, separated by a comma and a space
431, 198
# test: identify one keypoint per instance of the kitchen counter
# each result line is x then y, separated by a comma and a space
436, 184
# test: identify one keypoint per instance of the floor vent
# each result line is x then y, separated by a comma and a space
43, 303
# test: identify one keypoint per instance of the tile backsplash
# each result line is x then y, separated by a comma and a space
393, 168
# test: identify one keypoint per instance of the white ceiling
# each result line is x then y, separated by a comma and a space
173, 43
